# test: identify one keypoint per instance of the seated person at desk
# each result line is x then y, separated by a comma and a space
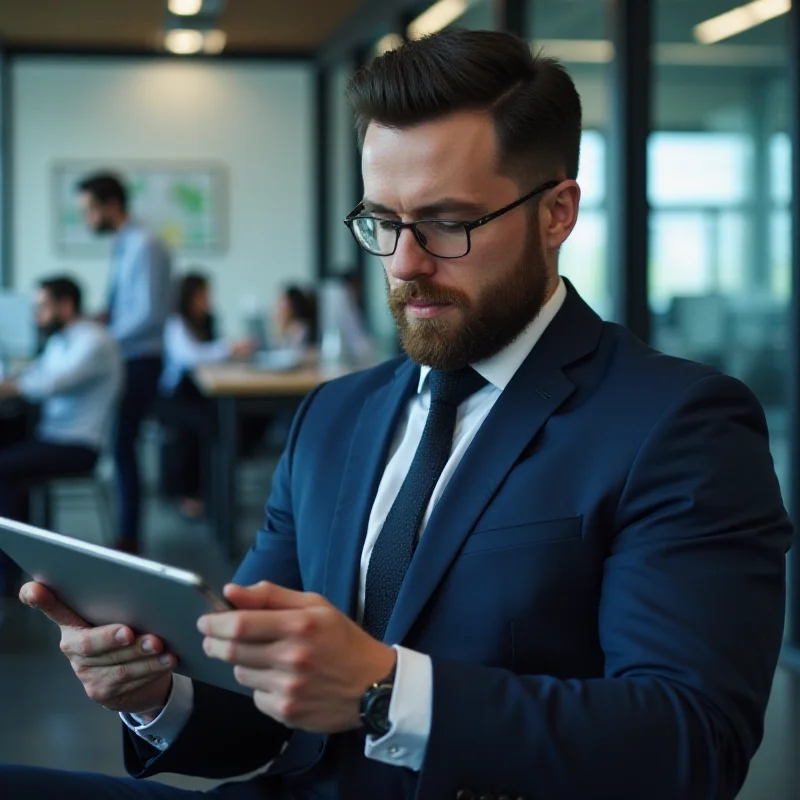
356, 341
77, 380
295, 323
188, 342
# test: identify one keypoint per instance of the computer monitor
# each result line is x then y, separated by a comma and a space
18, 335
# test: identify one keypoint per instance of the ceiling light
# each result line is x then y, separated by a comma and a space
183, 41
739, 19
576, 51
438, 16
391, 41
214, 42
185, 8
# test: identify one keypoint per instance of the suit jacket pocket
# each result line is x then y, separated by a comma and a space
529, 533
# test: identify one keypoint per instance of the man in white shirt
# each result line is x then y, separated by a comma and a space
534, 559
76, 381
140, 288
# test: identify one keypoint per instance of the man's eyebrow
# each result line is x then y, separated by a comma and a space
440, 207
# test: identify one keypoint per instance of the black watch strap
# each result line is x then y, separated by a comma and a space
375, 704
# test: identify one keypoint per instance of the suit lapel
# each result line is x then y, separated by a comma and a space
534, 394
366, 460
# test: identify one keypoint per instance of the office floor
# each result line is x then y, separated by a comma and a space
46, 719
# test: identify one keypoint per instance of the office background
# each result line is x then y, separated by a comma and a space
688, 234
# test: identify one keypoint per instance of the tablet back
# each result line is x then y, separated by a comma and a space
107, 587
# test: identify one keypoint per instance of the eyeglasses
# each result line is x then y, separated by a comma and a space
442, 238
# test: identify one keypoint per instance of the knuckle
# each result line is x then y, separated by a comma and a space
96, 691
84, 644
120, 673
295, 687
304, 625
287, 709
239, 626
229, 651
299, 659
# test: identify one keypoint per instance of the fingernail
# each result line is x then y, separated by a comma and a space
147, 646
202, 624
121, 636
164, 660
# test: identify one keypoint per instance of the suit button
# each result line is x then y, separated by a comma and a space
486, 797
465, 794
504, 797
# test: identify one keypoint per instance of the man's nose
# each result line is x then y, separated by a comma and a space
410, 259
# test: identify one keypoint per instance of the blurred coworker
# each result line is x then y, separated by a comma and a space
295, 320
357, 342
138, 305
77, 379
189, 341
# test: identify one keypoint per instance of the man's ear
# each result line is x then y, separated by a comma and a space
559, 213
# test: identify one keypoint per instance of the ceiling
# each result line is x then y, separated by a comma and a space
250, 25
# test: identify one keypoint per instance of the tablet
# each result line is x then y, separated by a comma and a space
105, 587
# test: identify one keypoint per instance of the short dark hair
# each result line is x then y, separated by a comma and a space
61, 287
533, 101
105, 187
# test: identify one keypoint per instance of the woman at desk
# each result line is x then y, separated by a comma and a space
295, 320
189, 341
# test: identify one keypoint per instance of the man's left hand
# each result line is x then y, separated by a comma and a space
308, 663
9, 389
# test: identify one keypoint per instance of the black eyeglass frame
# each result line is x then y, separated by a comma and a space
468, 226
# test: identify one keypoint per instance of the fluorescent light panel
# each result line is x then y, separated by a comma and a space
185, 8
391, 41
739, 19
601, 51
214, 42
183, 41
438, 16
188, 41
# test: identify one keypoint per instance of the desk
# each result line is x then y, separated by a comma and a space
238, 390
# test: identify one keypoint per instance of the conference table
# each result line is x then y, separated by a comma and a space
240, 390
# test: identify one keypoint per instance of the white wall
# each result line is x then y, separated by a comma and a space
254, 119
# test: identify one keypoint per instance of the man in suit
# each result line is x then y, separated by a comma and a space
534, 559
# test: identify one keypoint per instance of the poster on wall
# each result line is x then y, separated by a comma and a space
185, 203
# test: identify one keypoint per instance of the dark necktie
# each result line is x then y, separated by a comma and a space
397, 540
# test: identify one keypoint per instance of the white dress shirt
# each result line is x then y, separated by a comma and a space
77, 379
411, 706
183, 351
140, 293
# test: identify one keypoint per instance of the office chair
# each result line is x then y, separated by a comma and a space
91, 484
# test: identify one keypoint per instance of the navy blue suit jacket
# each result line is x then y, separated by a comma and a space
600, 588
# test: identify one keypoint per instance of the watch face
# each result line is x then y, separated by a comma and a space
376, 717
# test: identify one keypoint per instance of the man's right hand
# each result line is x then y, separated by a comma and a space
118, 670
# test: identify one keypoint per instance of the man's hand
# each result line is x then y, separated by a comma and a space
308, 663
9, 388
117, 669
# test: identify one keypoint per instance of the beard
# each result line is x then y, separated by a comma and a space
104, 227
51, 329
487, 325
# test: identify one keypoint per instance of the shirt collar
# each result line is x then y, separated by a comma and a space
501, 367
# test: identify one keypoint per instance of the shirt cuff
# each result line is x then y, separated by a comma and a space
166, 727
30, 385
410, 713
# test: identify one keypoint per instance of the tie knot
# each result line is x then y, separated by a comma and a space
453, 388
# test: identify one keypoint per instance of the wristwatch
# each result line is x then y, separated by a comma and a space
375, 706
